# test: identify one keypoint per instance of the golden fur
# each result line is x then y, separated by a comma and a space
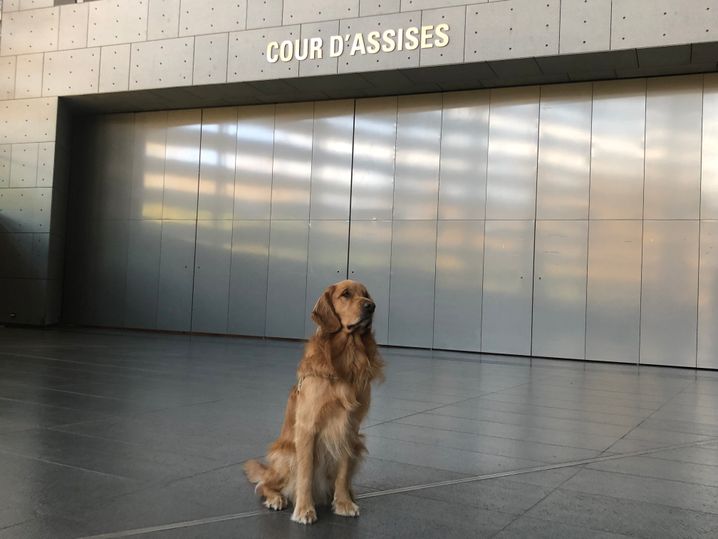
319, 446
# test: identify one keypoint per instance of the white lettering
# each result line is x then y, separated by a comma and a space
285, 51
337, 46
272, 52
442, 38
412, 41
373, 39
358, 45
389, 44
315, 48
427, 32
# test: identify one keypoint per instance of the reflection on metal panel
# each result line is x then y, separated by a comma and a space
248, 284
673, 147
459, 276
513, 136
255, 150
613, 311
708, 297
508, 272
210, 302
217, 158
669, 294
332, 159
148, 165
293, 129
559, 312
143, 272
617, 149
327, 261
564, 152
418, 138
108, 298
411, 302
287, 281
374, 148
174, 304
464, 151
113, 189
182, 164
709, 178
370, 263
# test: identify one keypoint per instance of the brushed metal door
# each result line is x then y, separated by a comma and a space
708, 297
507, 288
559, 309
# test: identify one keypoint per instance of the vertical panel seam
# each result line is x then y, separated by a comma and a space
351, 188
271, 198
436, 220
533, 266
391, 241
231, 233
486, 194
162, 210
196, 221
588, 223
309, 214
643, 221
700, 219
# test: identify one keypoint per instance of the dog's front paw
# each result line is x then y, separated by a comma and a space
345, 508
306, 515
276, 502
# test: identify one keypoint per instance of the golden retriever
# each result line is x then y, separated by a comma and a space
319, 446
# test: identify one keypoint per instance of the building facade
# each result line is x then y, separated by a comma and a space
515, 177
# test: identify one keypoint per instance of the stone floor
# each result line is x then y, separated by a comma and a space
122, 434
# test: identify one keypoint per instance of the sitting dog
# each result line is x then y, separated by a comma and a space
319, 446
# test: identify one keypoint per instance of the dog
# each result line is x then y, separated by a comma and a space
319, 447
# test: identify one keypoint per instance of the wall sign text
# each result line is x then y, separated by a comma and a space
375, 42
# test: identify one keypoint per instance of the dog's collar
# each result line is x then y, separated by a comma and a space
330, 377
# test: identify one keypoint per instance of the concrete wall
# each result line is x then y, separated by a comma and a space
110, 46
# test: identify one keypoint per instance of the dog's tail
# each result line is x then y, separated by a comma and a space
255, 470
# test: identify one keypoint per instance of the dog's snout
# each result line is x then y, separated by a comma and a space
369, 306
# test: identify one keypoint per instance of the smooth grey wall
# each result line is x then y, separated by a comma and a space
513, 221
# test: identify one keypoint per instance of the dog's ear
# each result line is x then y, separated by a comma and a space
324, 314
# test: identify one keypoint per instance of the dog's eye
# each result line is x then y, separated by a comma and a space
346, 294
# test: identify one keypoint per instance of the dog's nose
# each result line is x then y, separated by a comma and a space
369, 306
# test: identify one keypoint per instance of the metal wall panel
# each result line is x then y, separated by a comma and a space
513, 136
114, 153
709, 176
174, 303
613, 311
673, 147
507, 288
292, 172
464, 154
255, 151
108, 296
564, 161
459, 277
248, 280
148, 165
327, 261
374, 150
411, 295
287, 281
669, 295
617, 149
332, 160
559, 311
143, 273
418, 140
370, 263
217, 163
181, 181
708, 297
213, 253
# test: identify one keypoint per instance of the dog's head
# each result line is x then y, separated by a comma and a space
344, 306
